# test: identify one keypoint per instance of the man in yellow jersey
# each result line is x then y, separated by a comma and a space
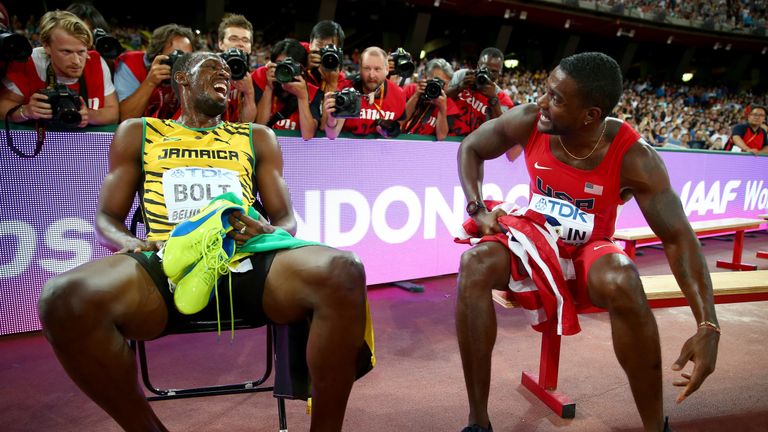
87, 313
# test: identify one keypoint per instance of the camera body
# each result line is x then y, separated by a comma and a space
347, 103
237, 62
434, 88
65, 105
174, 56
330, 57
389, 128
13, 46
106, 45
482, 77
403, 63
286, 70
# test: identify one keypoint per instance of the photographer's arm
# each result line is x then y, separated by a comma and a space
413, 101
441, 128
8, 100
247, 99
134, 105
332, 125
109, 114
307, 122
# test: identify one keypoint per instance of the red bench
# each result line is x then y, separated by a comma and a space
763, 254
662, 291
634, 237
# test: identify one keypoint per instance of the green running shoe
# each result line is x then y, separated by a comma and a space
193, 291
191, 237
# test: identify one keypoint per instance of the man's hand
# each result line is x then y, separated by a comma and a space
158, 72
468, 81
701, 349
38, 107
487, 222
83, 113
137, 245
297, 88
246, 227
329, 106
271, 74
244, 86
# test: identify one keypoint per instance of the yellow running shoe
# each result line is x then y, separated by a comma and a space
202, 232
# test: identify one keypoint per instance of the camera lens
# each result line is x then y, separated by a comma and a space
283, 73
106, 45
13, 46
237, 67
330, 60
433, 90
65, 111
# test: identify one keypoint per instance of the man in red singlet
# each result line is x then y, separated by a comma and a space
582, 162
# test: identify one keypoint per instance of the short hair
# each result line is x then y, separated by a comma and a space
68, 22
327, 29
492, 52
165, 33
234, 20
291, 48
374, 49
439, 63
598, 78
184, 64
754, 107
89, 14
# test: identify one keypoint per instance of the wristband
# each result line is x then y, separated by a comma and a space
21, 113
710, 325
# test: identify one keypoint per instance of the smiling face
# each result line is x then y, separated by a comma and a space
560, 106
208, 84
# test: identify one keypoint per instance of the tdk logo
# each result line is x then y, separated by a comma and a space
561, 209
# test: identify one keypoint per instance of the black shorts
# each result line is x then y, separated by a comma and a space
247, 293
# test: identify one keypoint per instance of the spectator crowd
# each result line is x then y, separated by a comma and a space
304, 86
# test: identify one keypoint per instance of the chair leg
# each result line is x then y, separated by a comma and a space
281, 415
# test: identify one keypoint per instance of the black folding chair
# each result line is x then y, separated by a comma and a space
285, 351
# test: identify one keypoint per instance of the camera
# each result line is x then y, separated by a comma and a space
13, 46
483, 77
403, 64
237, 62
389, 128
108, 46
286, 70
330, 57
347, 103
172, 58
434, 88
65, 105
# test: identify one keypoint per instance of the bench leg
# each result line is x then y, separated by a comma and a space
738, 247
762, 254
630, 247
543, 386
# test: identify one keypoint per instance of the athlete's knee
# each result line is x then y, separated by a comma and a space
344, 277
617, 286
66, 300
483, 263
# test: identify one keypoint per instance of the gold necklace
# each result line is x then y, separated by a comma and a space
593, 150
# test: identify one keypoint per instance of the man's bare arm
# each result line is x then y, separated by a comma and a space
119, 189
644, 174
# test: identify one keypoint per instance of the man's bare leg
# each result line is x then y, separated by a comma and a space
614, 284
484, 267
87, 313
329, 285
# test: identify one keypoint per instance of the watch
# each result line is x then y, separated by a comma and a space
475, 206
493, 101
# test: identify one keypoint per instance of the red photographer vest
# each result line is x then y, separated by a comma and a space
162, 103
26, 78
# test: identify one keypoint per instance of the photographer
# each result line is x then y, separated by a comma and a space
323, 34
236, 33
382, 108
476, 94
428, 108
65, 66
143, 79
284, 99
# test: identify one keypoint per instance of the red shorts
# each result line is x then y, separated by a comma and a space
583, 257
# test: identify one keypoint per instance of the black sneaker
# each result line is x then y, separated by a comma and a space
477, 428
